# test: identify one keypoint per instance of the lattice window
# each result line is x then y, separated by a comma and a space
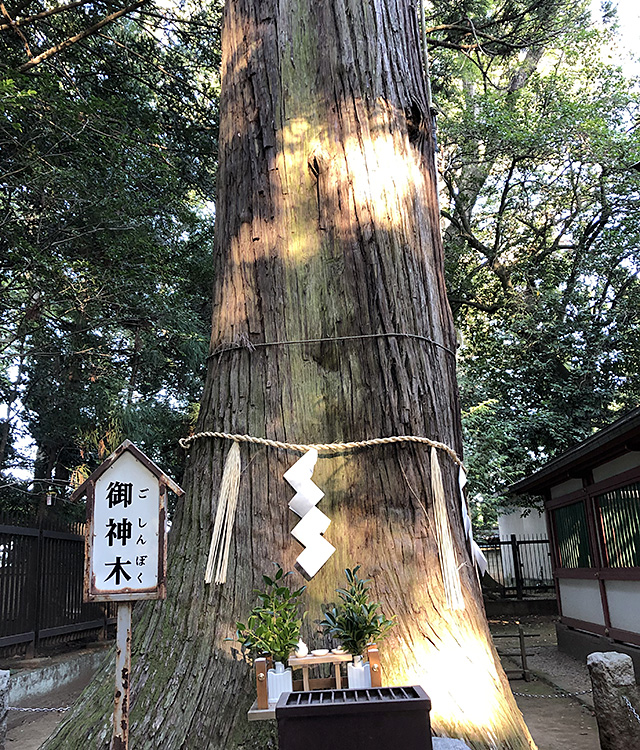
573, 536
620, 518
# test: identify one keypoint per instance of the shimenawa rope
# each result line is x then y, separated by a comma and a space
323, 447
227, 500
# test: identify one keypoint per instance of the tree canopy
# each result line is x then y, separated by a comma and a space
106, 182
540, 202
108, 124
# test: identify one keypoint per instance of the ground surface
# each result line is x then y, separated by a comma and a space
556, 723
28, 730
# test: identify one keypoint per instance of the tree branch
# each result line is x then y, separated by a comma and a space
475, 305
503, 205
45, 14
13, 25
175, 19
147, 61
82, 35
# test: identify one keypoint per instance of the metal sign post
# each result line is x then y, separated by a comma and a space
125, 551
123, 672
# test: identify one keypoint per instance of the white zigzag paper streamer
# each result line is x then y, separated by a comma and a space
313, 522
478, 555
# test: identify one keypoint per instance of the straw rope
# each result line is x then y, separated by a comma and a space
446, 550
225, 515
218, 560
323, 447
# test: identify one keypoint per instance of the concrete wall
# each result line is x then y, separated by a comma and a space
533, 524
48, 675
520, 607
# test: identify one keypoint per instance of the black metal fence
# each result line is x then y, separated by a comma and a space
41, 586
518, 566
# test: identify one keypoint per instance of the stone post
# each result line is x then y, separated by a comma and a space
613, 680
4, 706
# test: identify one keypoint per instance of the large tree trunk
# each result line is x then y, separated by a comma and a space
327, 227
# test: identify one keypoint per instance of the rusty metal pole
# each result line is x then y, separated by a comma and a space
123, 671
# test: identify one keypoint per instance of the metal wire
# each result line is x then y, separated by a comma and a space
242, 342
39, 710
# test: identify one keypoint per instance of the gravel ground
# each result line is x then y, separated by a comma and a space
543, 658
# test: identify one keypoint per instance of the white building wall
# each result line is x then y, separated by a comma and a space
565, 488
531, 525
630, 460
581, 600
534, 524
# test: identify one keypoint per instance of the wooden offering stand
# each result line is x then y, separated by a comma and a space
262, 710
318, 683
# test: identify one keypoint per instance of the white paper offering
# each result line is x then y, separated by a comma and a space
313, 522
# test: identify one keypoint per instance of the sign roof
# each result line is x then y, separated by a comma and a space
127, 446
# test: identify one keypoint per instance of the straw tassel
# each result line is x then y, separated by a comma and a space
225, 516
446, 552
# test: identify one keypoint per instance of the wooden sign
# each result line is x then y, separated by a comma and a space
126, 540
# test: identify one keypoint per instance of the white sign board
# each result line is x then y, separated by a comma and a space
126, 530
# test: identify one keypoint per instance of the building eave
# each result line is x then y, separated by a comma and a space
608, 443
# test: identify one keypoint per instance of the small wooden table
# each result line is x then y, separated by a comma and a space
319, 683
263, 710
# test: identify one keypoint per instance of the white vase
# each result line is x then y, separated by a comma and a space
359, 674
279, 680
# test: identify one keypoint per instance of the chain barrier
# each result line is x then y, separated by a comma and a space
61, 709
554, 695
631, 708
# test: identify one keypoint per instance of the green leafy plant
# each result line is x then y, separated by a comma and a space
356, 622
273, 625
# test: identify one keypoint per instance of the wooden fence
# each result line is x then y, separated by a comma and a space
41, 582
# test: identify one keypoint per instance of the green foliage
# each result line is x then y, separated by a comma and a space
356, 623
273, 626
107, 170
541, 244
485, 30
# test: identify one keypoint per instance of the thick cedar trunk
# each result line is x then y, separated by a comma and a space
327, 226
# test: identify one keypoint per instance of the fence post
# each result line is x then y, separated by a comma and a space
34, 588
523, 654
517, 566
38, 586
4, 706
615, 698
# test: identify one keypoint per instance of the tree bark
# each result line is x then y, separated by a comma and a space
327, 227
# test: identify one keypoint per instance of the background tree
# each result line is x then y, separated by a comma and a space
108, 155
541, 245
327, 227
